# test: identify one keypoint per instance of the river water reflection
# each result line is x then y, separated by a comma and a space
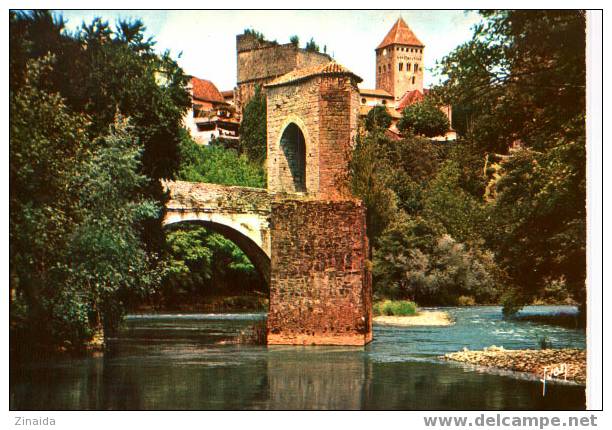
177, 362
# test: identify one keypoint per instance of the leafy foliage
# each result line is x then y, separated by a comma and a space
520, 82
256, 34
394, 307
295, 40
205, 263
506, 76
217, 165
75, 250
423, 118
378, 118
253, 131
416, 260
312, 46
368, 183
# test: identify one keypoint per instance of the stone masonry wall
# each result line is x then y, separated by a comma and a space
320, 287
326, 108
259, 62
298, 104
338, 113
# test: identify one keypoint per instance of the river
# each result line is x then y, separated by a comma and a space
176, 362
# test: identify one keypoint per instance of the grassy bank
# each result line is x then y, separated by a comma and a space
399, 308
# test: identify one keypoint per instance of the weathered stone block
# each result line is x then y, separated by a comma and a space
320, 286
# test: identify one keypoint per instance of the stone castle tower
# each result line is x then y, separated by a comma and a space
399, 61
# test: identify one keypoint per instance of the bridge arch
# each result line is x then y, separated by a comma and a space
232, 231
241, 214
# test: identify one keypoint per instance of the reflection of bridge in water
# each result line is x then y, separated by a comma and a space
306, 233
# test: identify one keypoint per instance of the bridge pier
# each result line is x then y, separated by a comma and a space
320, 285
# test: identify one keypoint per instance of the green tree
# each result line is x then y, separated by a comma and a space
423, 118
540, 233
416, 260
295, 40
312, 46
445, 201
253, 131
378, 118
218, 165
75, 251
368, 183
504, 79
101, 72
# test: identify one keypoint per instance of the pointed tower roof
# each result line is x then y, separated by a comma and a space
400, 33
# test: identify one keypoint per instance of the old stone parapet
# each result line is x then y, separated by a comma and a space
242, 214
216, 198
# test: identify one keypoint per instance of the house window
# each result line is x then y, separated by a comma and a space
384, 102
363, 101
401, 66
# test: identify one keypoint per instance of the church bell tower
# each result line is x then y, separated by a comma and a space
399, 61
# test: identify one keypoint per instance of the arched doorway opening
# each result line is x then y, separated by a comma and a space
293, 167
215, 268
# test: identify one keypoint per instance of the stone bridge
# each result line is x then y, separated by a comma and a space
241, 214
306, 234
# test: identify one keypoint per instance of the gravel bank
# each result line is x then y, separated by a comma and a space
570, 363
423, 318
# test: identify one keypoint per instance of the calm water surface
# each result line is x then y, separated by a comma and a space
176, 362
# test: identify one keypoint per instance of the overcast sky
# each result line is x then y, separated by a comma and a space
206, 40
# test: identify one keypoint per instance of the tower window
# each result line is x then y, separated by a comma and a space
407, 67
416, 67
379, 69
363, 101
413, 79
401, 66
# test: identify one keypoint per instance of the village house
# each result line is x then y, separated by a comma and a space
212, 114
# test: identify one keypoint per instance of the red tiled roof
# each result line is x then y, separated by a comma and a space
205, 90
411, 97
376, 92
400, 33
331, 68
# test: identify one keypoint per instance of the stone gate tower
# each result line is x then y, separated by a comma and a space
399, 61
320, 282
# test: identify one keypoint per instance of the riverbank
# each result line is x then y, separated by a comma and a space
565, 364
423, 318
209, 304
